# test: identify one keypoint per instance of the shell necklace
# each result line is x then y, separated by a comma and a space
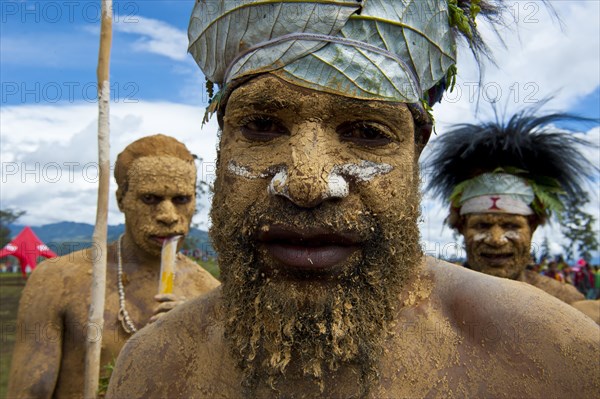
123, 315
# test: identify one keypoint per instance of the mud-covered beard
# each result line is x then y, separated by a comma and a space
286, 330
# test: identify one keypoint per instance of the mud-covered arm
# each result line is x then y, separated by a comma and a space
38, 337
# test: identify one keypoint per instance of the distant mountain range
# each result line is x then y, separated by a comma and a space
65, 237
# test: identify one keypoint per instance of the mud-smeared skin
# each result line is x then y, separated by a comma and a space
451, 338
49, 354
590, 308
444, 331
497, 243
563, 291
57, 295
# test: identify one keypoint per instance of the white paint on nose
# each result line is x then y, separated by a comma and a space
278, 184
512, 235
481, 237
337, 181
337, 186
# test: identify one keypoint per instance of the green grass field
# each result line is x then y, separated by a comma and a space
211, 266
11, 285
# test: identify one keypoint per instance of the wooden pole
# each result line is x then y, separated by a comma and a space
96, 313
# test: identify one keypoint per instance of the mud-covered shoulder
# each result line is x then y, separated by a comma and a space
590, 308
514, 320
79, 262
498, 297
189, 269
48, 281
563, 291
172, 357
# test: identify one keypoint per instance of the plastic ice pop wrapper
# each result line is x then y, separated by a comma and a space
167, 265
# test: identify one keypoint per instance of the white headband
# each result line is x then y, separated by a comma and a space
497, 193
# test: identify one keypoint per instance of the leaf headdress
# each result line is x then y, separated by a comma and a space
387, 50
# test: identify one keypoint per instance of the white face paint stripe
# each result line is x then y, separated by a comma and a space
508, 235
512, 235
243, 171
365, 171
480, 237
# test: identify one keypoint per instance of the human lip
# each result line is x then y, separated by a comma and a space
497, 258
310, 249
162, 239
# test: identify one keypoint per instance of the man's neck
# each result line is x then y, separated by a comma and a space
134, 259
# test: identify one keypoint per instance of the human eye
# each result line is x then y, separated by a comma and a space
482, 226
369, 134
262, 128
182, 199
511, 226
150, 199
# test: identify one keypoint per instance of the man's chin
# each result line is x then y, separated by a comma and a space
504, 270
308, 295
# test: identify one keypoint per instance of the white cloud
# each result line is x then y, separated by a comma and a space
157, 37
540, 60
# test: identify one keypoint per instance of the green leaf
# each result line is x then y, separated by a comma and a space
457, 193
458, 19
475, 9
548, 200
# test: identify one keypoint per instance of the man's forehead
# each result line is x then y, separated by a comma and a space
495, 217
271, 94
162, 167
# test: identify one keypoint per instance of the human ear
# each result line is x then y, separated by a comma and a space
119, 196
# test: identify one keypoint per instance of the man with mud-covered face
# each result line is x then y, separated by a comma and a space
503, 179
325, 289
156, 179
317, 213
497, 244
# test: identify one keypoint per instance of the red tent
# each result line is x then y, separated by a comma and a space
27, 247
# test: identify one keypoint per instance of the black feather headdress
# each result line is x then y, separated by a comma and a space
527, 145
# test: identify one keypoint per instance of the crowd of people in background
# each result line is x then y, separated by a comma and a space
582, 275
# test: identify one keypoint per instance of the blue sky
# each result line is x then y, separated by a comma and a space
48, 111
49, 51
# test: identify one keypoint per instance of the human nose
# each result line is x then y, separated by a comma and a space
307, 179
496, 236
166, 213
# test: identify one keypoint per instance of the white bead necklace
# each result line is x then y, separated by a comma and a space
123, 315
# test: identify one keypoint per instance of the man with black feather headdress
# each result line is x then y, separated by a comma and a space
503, 180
